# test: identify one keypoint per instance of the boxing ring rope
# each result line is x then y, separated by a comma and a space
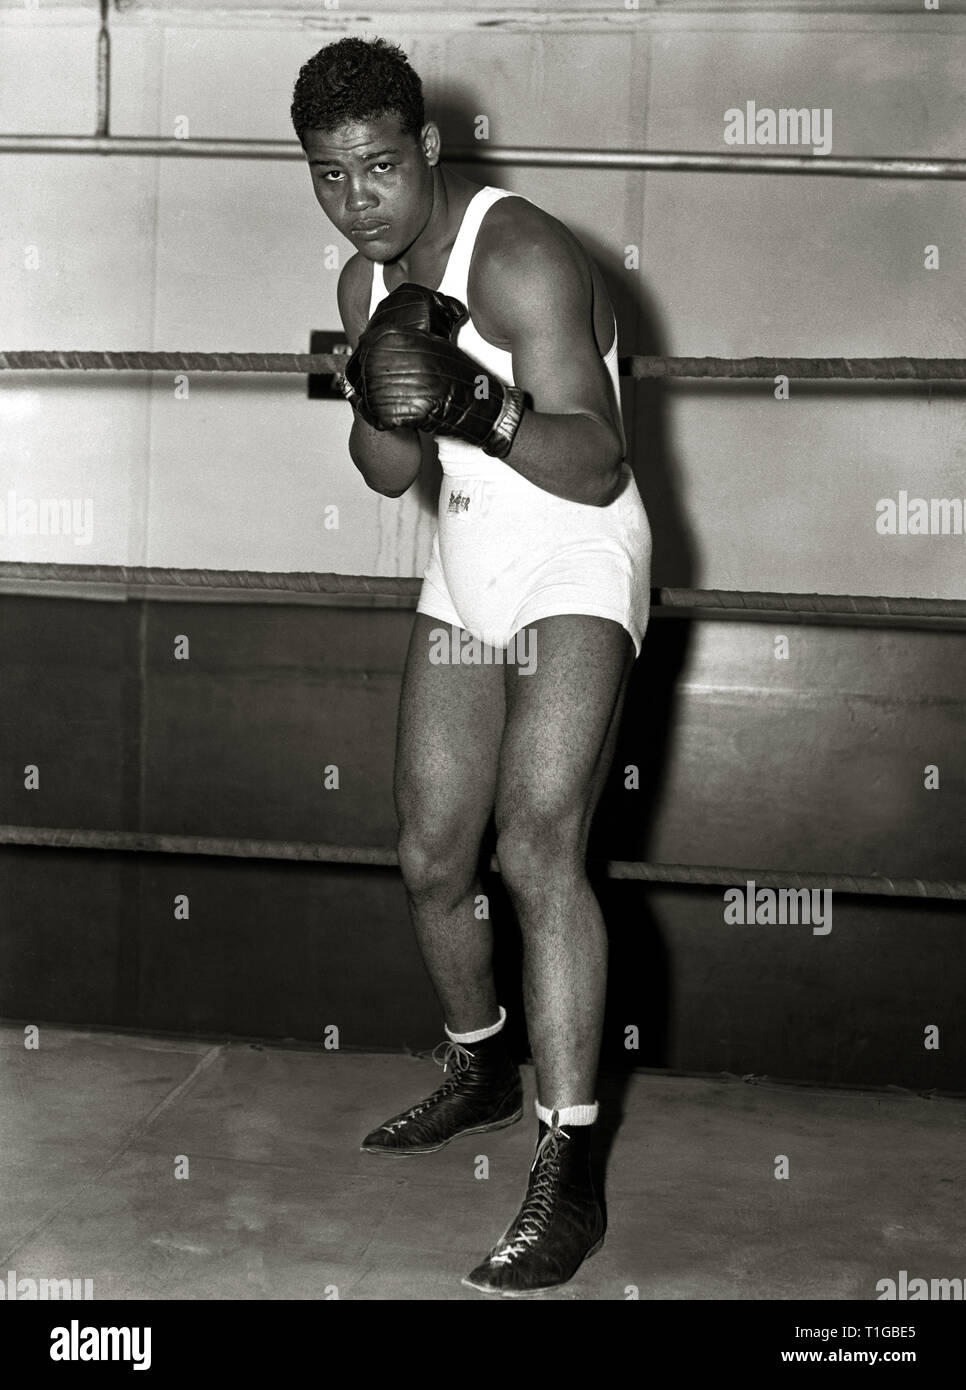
375, 856
837, 608
800, 607
851, 610
546, 157
837, 369
848, 608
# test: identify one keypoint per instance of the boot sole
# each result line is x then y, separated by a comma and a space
461, 1134
544, 1288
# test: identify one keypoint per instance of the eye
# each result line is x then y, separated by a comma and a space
329, 175
384, 164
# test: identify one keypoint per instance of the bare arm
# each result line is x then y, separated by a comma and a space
389, 460
539, 289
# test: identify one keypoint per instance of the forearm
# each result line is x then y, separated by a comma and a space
577, 457
389, 460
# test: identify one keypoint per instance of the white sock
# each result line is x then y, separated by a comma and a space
568, 1114
480, 1033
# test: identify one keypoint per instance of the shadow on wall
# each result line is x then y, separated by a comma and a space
638, 987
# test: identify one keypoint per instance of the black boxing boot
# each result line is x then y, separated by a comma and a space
559, 1224
482, 1092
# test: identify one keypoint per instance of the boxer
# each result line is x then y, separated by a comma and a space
478, 320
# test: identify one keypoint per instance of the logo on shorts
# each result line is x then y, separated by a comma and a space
458, 502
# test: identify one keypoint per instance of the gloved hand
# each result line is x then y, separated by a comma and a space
408, 307
415, 307
413, 378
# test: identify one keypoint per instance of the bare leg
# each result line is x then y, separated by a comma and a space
450, 724
561, 731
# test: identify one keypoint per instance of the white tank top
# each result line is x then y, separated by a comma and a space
456, 456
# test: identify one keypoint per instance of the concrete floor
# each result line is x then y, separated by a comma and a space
280, 1203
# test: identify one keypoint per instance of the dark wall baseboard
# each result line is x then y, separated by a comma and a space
814, 763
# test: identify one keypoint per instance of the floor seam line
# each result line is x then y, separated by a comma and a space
127, 1142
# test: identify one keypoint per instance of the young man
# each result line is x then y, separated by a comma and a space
478, 318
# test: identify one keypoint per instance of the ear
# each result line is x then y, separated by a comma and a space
430, 143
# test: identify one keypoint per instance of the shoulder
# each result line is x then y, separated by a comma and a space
519, 239
524, 254
354, 290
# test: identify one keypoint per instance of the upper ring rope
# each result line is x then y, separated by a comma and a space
328, 363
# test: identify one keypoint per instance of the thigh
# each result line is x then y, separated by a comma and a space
562, 724
447, 744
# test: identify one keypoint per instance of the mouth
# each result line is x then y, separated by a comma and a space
368, 231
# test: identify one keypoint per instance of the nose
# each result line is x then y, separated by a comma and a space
359, 198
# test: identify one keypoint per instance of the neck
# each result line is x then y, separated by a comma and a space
450, 195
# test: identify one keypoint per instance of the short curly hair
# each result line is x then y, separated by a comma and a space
356, 80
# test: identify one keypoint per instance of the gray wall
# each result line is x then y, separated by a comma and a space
745, 492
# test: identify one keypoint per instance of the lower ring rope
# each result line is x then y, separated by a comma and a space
673, 601
139, 841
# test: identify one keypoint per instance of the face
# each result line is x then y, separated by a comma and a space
374, 183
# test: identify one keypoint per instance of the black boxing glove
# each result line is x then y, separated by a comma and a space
409, 307
415, 307
415, 379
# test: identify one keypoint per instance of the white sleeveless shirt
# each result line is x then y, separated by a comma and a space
457, 457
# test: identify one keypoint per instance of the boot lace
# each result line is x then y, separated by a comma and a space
455, 1058
537, 1209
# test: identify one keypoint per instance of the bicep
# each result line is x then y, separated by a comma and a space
350, 295
549, 321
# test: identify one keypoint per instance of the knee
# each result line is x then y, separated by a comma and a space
427, 865
532, 851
